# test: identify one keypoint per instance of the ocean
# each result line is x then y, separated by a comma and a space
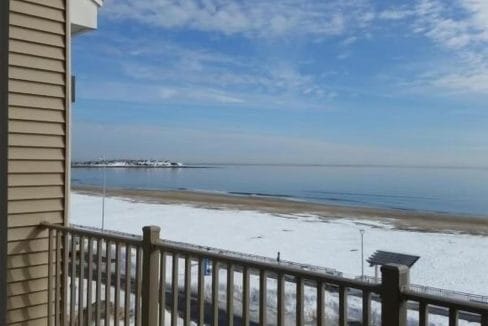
440, 190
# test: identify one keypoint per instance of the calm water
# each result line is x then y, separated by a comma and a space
439, 190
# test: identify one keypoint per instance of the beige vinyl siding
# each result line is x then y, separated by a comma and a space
19, 220
35, 75
30, 153
22, 180
22, 60
35, 205
29, 286
23, 34
35, 127
20, 301
34, 259
58, 4
22, 193
27, 140
37, 152
36, 23
26, 314
29, 114
31, 232
36, 102
40, 50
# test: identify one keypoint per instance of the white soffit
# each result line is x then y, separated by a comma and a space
83, 14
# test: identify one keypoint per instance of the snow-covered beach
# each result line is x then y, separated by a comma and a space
448, 260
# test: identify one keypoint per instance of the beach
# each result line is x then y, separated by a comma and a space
399, 219
307, 234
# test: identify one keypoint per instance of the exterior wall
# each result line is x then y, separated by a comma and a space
4, 15
38, 147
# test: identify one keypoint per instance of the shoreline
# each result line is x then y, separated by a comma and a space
399, 219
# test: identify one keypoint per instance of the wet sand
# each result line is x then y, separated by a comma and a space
399, 219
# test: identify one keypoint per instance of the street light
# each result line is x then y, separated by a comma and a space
362, 231
104, 191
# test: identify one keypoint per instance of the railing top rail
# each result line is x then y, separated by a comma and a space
461, 305
448, 293
273, 267
132, 240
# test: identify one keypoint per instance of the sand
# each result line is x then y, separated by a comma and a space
399, 219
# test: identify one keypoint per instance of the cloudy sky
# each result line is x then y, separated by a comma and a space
285, 81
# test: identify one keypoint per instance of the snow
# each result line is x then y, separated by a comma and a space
129, 163
451, 261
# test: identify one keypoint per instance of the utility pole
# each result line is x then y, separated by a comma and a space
104, 192
362, 231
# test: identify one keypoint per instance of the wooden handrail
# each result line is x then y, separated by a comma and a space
147, 282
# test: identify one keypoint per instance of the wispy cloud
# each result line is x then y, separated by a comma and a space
459, 30
251, 18
454, 25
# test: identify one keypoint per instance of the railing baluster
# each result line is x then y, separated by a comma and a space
299, 301
108, 282
81, 281
117, 285
320, 304
453, 316
187, 318
342, 306
73, 281
128, 282
263, 292
50, 279
66, 286
215, 292
162, 289
245, 294
174, 285
57, 295
230, 295
138, 312
201, 291
89, 291
423, 314
281, 300
366, 308
99, 282
66, 242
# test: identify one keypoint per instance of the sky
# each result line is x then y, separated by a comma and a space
285, 81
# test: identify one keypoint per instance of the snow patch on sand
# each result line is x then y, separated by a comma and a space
451, 261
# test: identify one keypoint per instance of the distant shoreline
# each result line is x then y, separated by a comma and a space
385, 166
399, 219
139, 167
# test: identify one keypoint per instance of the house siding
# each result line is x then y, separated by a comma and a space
37, 149
4, 48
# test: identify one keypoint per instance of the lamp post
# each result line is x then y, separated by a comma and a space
104, 192
362, 231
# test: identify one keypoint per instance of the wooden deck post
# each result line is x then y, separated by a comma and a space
150, 273
394, 278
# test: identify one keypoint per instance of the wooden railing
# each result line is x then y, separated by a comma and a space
100, 278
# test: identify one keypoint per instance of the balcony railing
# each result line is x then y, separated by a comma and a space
100, 278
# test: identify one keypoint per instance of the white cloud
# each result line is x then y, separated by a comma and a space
349, 40
455, 24
459, 28
251, 18
395, 14
468, 82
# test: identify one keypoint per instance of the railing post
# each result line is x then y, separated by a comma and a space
150, 273
394, 278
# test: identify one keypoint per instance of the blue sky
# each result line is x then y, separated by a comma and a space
288, 81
